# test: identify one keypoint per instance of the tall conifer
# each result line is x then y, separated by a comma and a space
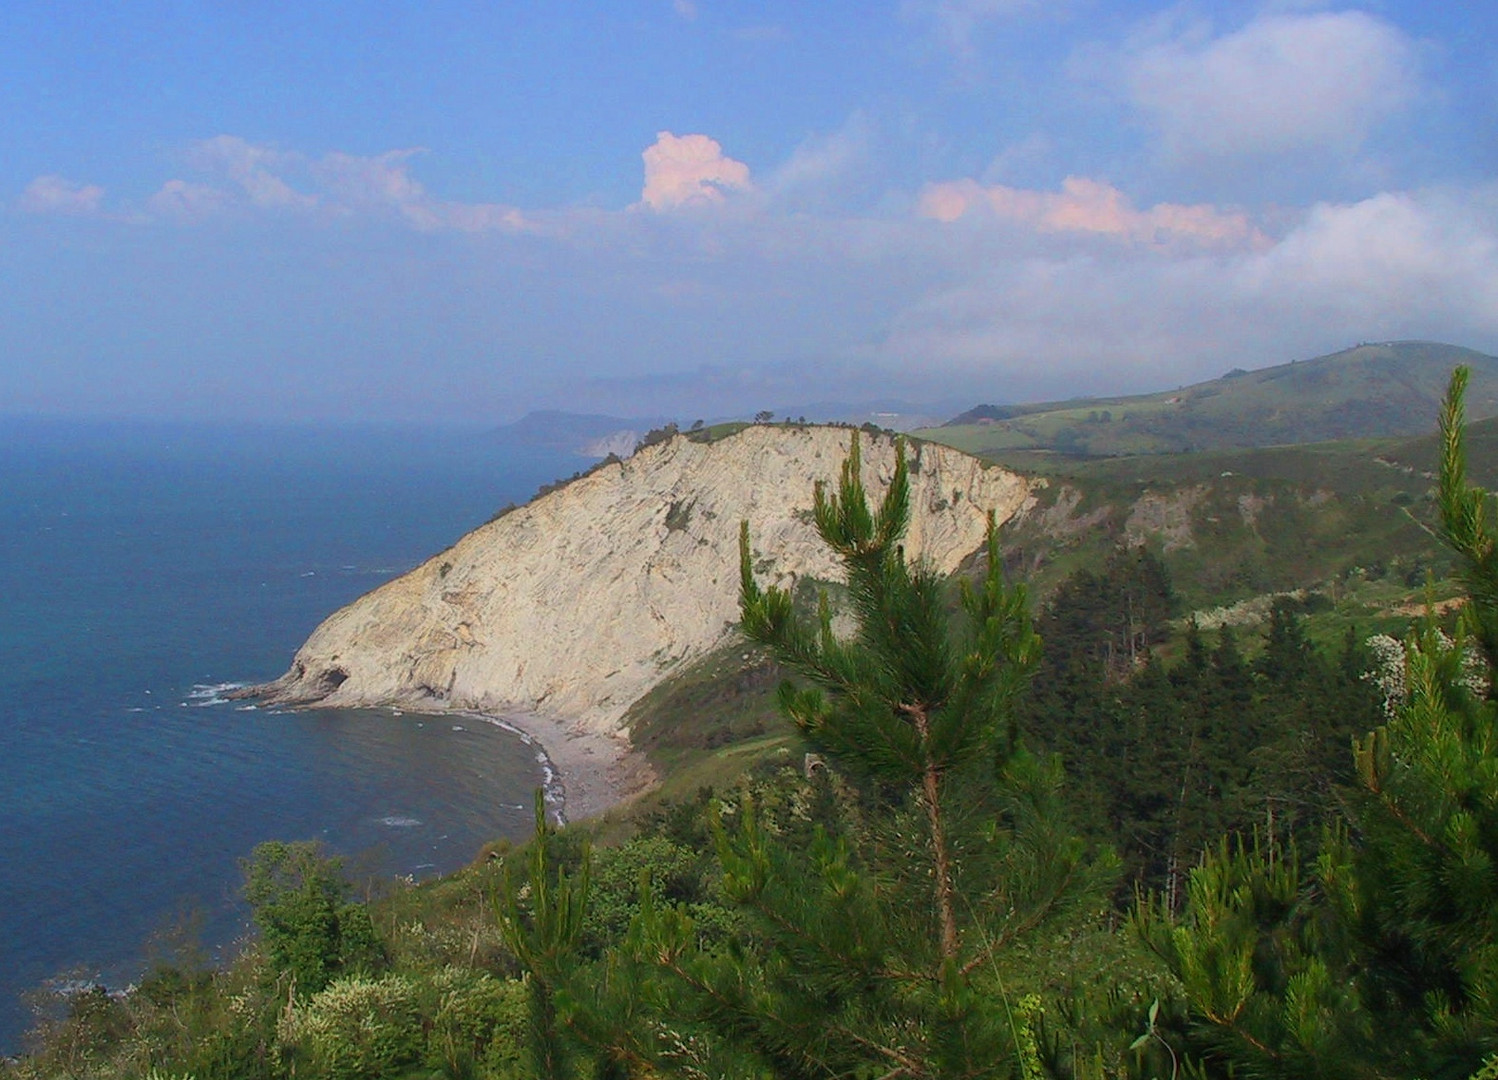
886, 948
885, 945
1381, 960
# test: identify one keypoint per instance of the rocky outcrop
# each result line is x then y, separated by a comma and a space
581, 601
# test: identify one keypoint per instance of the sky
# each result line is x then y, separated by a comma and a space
462, 211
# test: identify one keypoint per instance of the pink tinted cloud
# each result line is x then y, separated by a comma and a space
690, 170
1092, 206
56, 195
1420, 264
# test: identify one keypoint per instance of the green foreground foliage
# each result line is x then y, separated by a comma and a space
936, 892
1380, 958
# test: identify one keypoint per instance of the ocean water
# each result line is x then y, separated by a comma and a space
144, 569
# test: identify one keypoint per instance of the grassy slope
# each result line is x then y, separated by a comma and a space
1388, 389
707, 713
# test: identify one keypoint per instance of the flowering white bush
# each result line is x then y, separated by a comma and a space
1388, 671
1391, 659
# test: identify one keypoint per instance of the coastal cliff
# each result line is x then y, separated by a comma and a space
578, 603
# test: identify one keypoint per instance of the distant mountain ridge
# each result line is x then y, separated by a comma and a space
1372, 390
585, 434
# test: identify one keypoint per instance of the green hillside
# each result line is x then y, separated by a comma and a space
1350, 519
1370, 391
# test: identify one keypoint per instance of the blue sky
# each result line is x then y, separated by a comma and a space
461, 211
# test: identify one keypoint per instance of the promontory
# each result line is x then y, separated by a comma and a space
572, 607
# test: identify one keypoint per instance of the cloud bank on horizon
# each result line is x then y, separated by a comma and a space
668, 207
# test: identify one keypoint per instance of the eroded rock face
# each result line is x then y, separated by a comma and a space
581, 601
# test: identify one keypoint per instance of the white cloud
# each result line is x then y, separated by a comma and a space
251, 178
1035, 153
1393, 260
1396, 265
826, 164
687, 9
976, 288
56, 195
1285, 82
689, 170
482, 217
958, 21
255, 169
382, 184
180, 200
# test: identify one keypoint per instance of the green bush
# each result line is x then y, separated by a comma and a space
356, 1028
475, 1018
298, 899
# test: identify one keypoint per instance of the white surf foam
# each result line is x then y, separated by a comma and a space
205, 694
398, 821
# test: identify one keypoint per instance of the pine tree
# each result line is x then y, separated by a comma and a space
884, 945
1381, 960
542, 922
905, 703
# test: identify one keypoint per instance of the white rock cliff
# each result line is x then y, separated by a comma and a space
578, 603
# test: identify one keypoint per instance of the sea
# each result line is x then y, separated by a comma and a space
148, 568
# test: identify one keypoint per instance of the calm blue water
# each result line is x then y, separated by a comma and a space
140, 566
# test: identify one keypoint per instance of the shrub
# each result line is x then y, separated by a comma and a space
357, 1028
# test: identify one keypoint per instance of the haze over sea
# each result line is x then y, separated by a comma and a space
143, 567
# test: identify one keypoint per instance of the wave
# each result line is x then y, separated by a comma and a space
204, 694
553, 792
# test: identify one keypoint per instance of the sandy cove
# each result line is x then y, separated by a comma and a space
593, 772
595, 593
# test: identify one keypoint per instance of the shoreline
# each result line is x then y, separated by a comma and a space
586, 774
589, 772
